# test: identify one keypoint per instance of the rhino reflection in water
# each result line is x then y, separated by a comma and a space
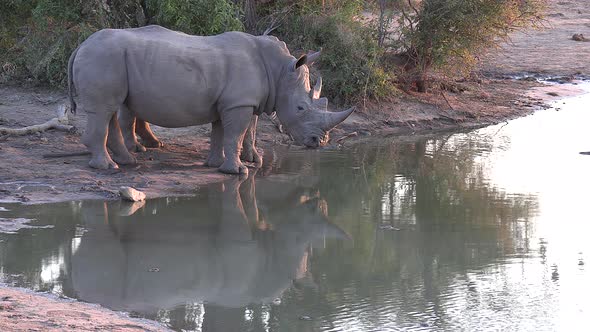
223, 249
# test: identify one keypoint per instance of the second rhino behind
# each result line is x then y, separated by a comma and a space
172, 79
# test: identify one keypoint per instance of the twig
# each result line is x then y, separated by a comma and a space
275, 121
347, 136
66, 154
58, 123
445, 97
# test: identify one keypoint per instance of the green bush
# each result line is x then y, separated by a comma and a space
197, 17
350, 63
450, 35
38, 36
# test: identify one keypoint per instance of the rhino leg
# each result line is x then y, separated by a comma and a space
95, 139
249, 152
142, 128
115, 143
128, 123
235, 122
216, 156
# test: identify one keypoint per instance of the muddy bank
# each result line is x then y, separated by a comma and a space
22, 310
177, 168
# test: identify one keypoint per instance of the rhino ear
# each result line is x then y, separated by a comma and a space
299, 62
321, 103
312, 57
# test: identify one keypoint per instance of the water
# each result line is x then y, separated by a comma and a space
480, 231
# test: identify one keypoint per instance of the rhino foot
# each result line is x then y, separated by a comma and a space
137, 147
233, 168
125, 160
102, 163
251, 156
152, 143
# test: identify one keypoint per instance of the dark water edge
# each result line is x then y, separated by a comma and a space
481, 230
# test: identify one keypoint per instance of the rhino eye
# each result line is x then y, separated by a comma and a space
300, 108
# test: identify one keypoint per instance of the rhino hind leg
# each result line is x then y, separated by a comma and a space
216, 156
115, 143
249, 152
95, 138
128, 123
142, 128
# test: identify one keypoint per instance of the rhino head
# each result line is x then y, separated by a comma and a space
301, 109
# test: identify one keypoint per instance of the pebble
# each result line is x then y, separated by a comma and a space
131, 194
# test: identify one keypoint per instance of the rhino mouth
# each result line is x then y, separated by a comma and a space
316, 141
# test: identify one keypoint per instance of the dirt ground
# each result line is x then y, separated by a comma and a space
22, 310
176, 169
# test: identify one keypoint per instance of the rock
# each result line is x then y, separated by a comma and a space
579, 37
131, 194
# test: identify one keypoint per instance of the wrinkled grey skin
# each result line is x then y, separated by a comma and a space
173, 79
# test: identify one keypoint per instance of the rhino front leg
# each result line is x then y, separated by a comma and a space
216, 156
235, 122
249, 152
128, 122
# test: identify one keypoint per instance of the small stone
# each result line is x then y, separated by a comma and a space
131, 194
579, 37
307, 318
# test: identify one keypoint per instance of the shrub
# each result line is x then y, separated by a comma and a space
198, 17
38, 36
450, 35
350, 62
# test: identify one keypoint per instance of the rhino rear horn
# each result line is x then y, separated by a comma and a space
332, 119
317, 89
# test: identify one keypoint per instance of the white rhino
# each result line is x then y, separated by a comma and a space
172, 79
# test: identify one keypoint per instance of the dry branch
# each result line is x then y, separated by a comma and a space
58, 123
347, 136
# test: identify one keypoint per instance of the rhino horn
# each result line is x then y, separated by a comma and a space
317, 89
332, 119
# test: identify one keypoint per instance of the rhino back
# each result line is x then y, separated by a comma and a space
173, 79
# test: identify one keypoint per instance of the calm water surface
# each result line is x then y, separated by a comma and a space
479, 231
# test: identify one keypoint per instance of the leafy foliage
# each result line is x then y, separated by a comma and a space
38, 36
350, 61
450, 35
198, 17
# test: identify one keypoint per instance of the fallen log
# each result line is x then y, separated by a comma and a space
60, 122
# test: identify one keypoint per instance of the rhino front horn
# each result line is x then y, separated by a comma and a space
332, 119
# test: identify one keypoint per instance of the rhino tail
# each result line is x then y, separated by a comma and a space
71, 87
